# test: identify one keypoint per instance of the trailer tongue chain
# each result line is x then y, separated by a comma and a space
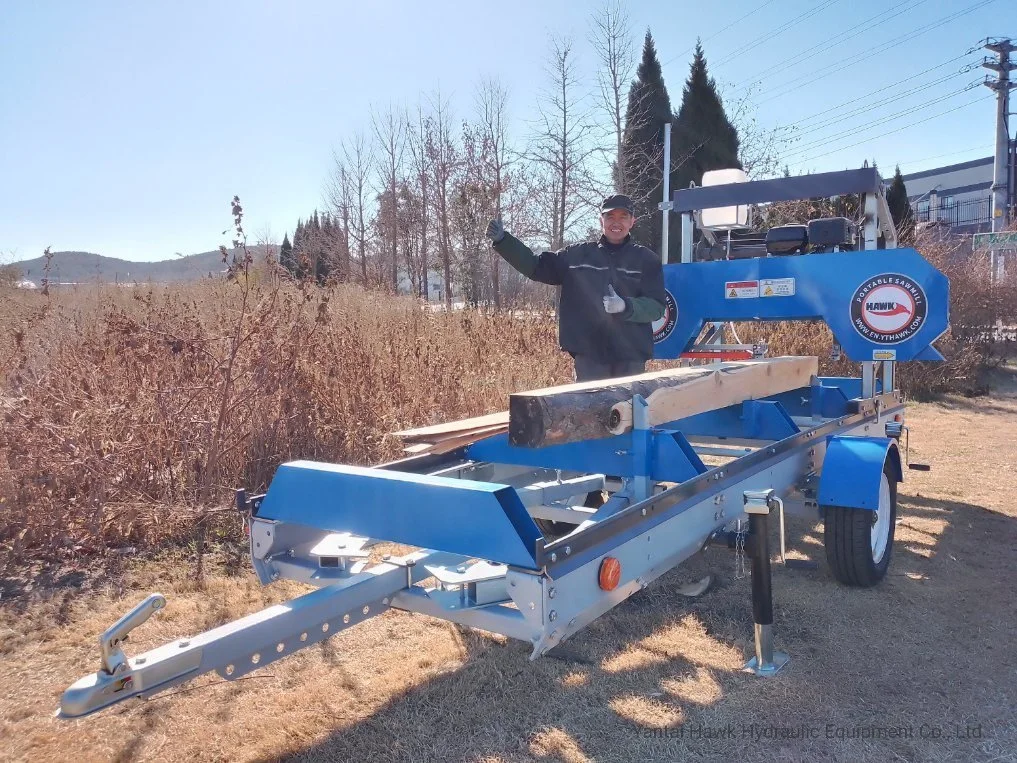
740, 552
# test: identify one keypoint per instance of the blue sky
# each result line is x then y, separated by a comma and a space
126, 128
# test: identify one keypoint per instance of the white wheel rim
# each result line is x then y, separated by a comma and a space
881, 525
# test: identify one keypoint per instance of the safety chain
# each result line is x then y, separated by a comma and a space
739, 552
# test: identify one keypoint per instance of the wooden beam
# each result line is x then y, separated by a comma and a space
594, 410
729, 384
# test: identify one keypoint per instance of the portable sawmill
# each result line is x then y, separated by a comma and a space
497, 509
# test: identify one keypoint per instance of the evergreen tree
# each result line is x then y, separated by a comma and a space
900, 209
323, 268
649, 109
301, 240
703, 138
286, 258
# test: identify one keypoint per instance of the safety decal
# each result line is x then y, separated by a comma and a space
777, 287
741, 289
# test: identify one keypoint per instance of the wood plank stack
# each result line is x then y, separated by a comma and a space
442, 438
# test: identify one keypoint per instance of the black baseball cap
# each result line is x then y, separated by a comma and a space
618, 201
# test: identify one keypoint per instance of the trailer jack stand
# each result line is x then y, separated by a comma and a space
766, 662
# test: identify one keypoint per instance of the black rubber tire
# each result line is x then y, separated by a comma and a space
552, 530
847, 535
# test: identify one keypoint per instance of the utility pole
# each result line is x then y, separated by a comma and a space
1002, 175
666, 202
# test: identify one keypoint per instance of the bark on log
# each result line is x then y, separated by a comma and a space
594, 410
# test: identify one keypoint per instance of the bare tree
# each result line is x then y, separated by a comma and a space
421, 167
348, 193
339, 195
442, 156
611, 39
759, 148
390, 132
492, 101
561, 142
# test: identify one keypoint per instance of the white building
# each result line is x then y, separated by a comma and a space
435, 284
957, 195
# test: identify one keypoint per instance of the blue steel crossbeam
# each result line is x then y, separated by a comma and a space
884, 305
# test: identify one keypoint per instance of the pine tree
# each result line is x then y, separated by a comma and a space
286, 258
900, 209
649, 109
703, 139
301, 240
323, 266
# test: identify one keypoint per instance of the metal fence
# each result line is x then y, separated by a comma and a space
973, 212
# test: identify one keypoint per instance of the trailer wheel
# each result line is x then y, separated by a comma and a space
858, 542
552, 530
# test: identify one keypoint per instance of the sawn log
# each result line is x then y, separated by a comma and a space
594, 410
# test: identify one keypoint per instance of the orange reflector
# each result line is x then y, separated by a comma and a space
610, 573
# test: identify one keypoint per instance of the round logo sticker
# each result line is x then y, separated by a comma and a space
888, 309
664, 325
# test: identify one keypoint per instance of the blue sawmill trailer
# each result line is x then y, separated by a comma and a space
501, 541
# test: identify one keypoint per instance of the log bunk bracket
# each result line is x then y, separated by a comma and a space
534, 521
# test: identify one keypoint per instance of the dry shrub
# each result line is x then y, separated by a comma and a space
127, 414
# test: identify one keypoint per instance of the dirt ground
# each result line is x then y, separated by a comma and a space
923, 667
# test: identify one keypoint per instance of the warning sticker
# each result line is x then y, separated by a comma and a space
884, 355
741, 289
777, 287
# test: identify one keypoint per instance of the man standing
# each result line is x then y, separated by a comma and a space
612, 290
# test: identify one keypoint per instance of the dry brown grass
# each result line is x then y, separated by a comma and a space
111, 399
930, 648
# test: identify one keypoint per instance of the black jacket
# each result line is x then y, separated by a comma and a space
584, 271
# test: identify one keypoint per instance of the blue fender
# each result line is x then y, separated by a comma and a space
852, 470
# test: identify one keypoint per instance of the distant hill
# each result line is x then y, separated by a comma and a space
85, 267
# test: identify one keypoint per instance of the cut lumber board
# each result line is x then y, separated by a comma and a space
447, 444
594, 410
434, 444
418, 448
454, 428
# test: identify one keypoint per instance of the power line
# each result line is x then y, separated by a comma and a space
872, 125
941, 156
838, 39
769, 35
856, 99
763, 39
890, 132
888, 101
790, 87
738, 20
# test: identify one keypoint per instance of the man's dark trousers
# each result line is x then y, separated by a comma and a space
592, 369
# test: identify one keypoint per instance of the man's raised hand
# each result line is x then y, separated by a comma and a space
495, 230
612, 302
